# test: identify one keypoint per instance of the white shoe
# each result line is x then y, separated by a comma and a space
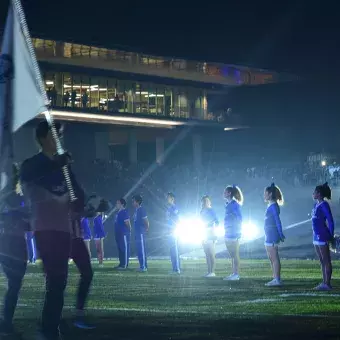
174, 272
323, 287
101, 265
232, 277
274, 283
210, 275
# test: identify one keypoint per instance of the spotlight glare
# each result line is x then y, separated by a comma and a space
190, 231
250, 231
219, 231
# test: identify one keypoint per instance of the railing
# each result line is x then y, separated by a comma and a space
175, 113
122, 107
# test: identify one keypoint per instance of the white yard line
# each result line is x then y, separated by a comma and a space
287, 295
309, 294
18, 305
258, 301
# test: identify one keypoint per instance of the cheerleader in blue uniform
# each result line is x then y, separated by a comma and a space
99, 235
323, 232
273, 231
233, 228
209, 218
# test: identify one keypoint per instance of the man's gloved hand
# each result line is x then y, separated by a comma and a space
64, 159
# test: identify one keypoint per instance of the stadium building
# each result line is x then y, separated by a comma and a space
126, 92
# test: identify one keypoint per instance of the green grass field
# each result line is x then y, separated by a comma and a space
154, 305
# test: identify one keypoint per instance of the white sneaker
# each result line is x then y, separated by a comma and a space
323, 287
101, 265
174, 272
232, 277
210, 275
274, 283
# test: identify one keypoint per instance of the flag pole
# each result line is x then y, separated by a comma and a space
48, 115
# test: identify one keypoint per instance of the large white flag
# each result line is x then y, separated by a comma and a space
21, 98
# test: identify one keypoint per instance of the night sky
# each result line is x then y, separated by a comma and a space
300, 36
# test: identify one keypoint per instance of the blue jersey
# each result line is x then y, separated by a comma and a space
85, 227
139, 220
208, 217
322, 222
121, 217
98, 227
172, 215
272, 224
233, 220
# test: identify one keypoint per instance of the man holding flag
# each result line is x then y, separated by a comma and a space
54, 218
45, 177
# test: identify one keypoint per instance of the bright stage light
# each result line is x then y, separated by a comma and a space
219, 231
190, 231
250, 231
193, 231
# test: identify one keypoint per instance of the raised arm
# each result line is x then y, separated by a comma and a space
32, 171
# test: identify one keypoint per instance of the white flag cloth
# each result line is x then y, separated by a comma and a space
20, 96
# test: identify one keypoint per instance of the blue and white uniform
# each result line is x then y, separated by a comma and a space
123, 234
172, 215
140, 231
232, 221
323, 223
272, 225
209, 218
98, 228
85, 228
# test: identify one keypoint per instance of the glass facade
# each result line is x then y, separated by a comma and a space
83, 92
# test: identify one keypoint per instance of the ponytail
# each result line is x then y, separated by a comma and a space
276, 193
236, 193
